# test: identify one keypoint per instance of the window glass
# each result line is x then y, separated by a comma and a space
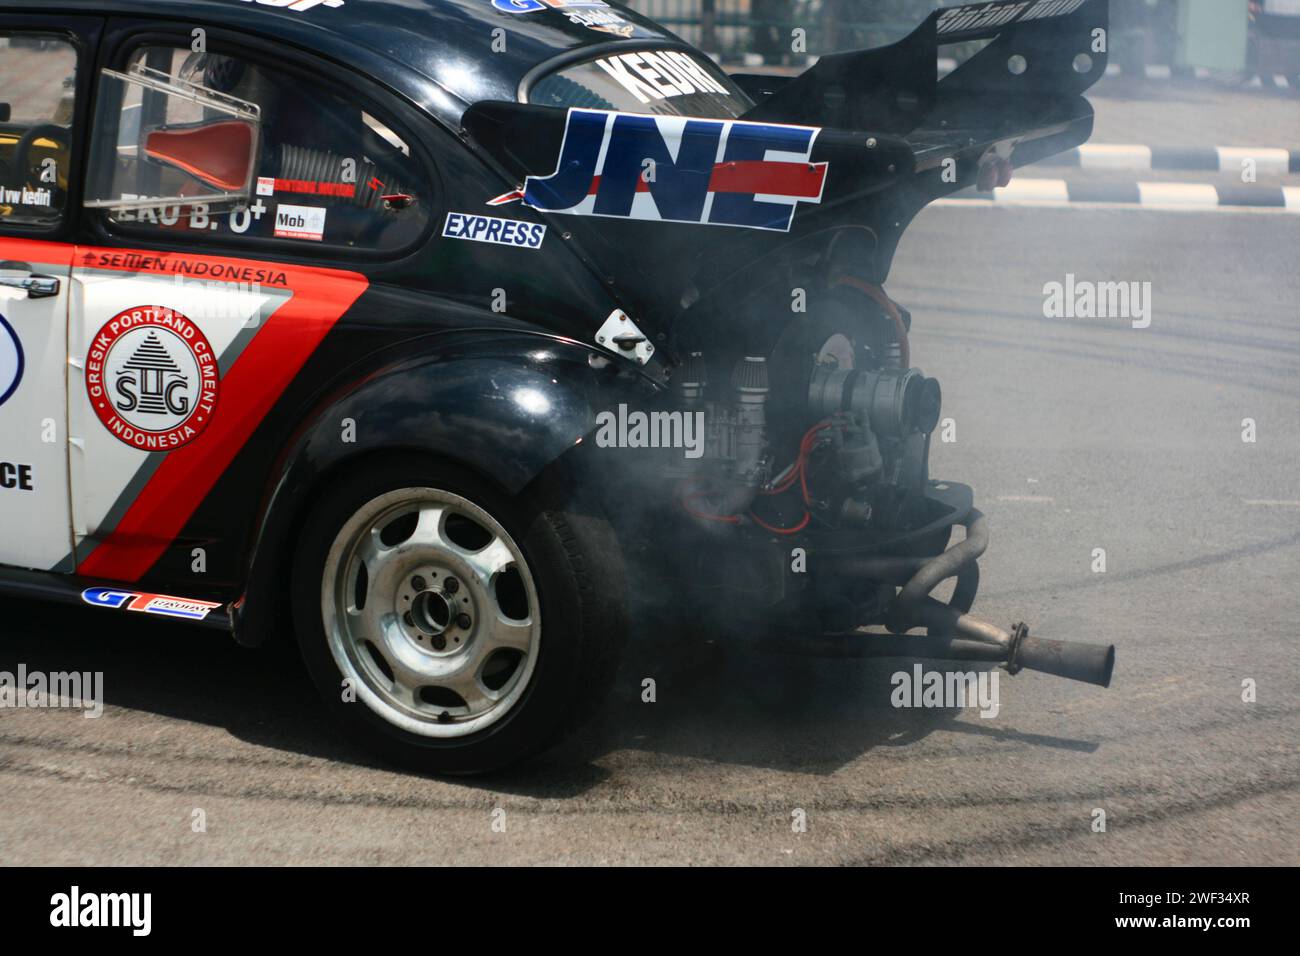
200, 142
37, 86
668, 82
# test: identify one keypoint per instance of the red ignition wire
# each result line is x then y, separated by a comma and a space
767, 527
798, 472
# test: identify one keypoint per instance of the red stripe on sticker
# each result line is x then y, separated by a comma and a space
796, 180
758, 176
249, 389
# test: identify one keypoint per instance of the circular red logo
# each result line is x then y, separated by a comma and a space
152, 378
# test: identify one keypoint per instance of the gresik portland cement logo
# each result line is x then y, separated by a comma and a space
11, 360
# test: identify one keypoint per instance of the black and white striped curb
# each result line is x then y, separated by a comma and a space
1157, 71
1269, 161
1027, 191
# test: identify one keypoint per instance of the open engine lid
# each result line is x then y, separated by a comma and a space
676, 211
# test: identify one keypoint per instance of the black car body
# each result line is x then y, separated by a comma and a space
296, 256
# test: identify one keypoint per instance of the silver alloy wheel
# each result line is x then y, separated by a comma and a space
431, 611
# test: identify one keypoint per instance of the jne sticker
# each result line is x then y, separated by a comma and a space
299, 222
719, 172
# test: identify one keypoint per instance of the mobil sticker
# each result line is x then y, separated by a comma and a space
678, 169
300, 222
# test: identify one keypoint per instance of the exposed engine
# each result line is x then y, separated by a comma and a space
834, 437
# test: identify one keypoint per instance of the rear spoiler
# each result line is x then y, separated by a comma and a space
1016, 101
1040, 50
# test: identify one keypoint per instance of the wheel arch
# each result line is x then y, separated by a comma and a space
504, 410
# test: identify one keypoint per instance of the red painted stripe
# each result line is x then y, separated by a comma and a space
795, 180
29, 250
248, 391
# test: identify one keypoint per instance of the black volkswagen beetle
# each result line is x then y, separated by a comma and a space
462, 337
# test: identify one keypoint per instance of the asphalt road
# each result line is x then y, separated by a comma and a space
1076, 433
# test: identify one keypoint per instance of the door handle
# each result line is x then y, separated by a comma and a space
36, 287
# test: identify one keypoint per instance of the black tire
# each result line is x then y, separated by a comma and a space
577, 571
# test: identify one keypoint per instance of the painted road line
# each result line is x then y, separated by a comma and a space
1269, 161
1107, 156
1270, 503
1195, 196
1272, 162
1163, 71
1033, 190
1178, 194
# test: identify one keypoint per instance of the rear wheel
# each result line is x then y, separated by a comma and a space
449, 627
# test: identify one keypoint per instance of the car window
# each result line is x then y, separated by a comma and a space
37, 87
668, 82
201, 143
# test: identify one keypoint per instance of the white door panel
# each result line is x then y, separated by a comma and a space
149, 354
34, 530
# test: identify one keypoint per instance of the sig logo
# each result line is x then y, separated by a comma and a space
763, 173
11, 360
152, 378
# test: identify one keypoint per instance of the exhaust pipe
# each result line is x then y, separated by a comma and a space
1091, 663
963, 638
951, 632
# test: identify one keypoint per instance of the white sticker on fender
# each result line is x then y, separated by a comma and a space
297, 6
299, 222
505, 232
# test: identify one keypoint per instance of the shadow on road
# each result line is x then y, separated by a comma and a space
727, 704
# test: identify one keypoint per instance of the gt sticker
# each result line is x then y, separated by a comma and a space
504, 232
152, 378
150, 603
717, 172
299, 222
11, 360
